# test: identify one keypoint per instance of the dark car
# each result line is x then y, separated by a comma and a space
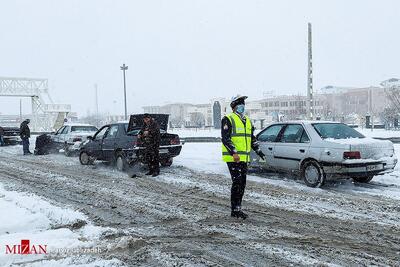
11, 135
117, 143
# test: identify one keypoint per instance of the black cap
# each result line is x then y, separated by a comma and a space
146, 115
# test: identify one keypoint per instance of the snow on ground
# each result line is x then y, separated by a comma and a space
183, 132
206, 157
26, 216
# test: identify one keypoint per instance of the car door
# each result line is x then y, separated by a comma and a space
56, 136
97, 143
292, 147
266, 140
64, 134
109, 142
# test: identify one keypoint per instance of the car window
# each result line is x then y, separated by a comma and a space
83, 129
101, 133
270, 134
336, 131
304, 138
294, 133
134, 132
112, 132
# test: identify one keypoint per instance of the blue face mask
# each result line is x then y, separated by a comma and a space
240, 109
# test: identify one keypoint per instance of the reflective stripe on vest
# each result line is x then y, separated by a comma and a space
241, 139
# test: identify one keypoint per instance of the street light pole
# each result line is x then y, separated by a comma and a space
124, 68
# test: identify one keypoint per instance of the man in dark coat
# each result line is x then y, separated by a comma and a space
25, 134
149, 135
1, 136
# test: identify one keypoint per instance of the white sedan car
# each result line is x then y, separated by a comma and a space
71, 136
320, 150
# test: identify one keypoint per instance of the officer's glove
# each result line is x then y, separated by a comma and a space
261, 154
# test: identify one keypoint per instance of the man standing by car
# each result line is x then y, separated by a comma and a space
149, 135
237, 141
25, 134
1, 136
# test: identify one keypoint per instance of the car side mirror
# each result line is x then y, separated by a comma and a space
90, 137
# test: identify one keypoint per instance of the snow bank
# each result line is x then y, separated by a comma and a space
27, 216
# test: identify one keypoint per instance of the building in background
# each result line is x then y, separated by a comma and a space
345, 104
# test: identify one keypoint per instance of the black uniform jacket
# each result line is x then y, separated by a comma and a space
24, 131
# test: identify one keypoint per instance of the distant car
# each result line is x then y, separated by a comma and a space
11, 135
323, 150
70, 137
118, 143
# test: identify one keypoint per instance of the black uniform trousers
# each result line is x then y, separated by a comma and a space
238, 173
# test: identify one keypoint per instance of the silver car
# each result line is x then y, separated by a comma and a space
320, 150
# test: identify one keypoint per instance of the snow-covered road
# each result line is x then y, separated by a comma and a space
182, 216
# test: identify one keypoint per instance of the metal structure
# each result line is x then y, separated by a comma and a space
124, 68
45, 113
310, 85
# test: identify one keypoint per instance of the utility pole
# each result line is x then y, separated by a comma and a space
124, 68
310, 90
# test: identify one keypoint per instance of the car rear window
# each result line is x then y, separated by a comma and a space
83, 129
336, 131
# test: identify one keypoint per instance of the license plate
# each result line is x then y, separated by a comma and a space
375, 167
163, 151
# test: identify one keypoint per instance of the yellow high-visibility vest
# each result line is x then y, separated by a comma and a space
241, 138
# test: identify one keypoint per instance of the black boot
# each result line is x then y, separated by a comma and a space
150, 172
239, 214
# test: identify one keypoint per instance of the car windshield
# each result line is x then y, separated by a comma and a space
83, 129
336, 131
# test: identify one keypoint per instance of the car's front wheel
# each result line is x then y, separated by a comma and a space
120, 162
85, 159
365, 179
313, 173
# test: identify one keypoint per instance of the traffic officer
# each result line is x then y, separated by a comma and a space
238, 139
149, 135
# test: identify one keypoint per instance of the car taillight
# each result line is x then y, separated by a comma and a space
175, 141
352, 155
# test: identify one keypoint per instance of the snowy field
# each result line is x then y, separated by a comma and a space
182, 217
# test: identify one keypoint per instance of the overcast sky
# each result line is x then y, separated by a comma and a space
192, 51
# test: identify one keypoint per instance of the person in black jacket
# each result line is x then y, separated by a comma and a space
149, 135
25, 134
